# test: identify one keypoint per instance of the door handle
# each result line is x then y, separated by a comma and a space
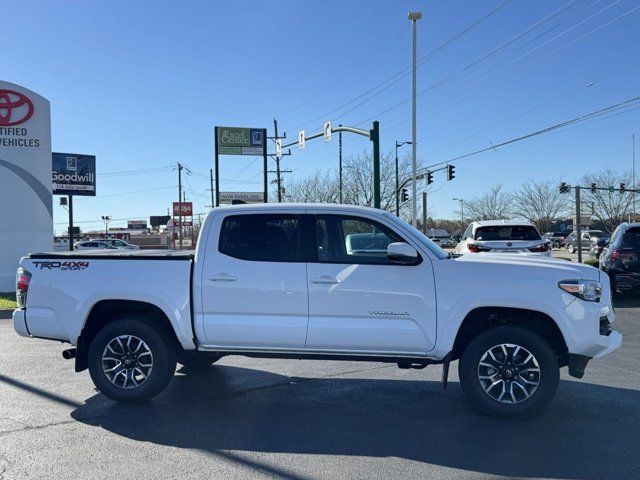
223, 277
325, 279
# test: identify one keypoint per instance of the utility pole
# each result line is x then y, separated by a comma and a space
424, 212
278, 177
70, 202
278, 171
211, 181
180, 167
340, 163
414, 17
577, 225
633, 170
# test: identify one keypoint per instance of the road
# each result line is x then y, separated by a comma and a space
253, 418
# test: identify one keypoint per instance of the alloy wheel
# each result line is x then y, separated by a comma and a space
509, 373
127, 361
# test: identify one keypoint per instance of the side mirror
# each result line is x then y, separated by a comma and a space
401, 252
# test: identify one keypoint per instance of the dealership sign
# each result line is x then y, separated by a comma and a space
73, 174
244, 197
187, 209
240, 141
26, 208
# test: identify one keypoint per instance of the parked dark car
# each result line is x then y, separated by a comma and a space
556, 239
585, 243
597, 246
620, 259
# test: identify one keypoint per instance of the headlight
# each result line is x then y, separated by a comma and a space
588, 290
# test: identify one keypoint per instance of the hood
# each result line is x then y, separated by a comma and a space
536, 265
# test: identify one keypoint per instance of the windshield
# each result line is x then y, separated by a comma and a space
507, 232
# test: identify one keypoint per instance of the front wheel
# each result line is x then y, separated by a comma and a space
509, 372
571, 248
130, 361
556, 245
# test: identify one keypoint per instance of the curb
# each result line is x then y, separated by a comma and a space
6, 314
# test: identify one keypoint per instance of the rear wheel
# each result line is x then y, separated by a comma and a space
571, 248
509, 372
556, 245
130, 361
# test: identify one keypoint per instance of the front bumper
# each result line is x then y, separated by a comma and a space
20, 323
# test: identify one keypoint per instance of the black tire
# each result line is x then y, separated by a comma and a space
197, 361
556, 245
571, 248
162, 360
548, 377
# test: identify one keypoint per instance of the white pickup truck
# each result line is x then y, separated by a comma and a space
320, 282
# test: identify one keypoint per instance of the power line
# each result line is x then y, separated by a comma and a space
579, 119
405, 71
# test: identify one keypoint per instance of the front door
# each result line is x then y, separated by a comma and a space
359, 301
254, 283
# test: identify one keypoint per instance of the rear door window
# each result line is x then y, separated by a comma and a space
261, 237
507, 232
631, 239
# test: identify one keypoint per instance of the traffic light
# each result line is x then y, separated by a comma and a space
451, 170
405, 195
564, 188
623, 187
429, 178
593, 188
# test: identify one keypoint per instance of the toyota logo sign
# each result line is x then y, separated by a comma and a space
15, 108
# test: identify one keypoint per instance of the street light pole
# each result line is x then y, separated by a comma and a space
398, 144
414, 17
106, 219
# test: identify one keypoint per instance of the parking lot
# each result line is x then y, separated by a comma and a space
255, 418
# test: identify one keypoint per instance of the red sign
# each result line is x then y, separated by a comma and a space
15, 108
187, 209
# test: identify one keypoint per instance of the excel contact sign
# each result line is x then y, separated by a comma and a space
73, 174
240, 141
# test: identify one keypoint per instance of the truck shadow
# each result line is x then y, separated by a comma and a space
587, 432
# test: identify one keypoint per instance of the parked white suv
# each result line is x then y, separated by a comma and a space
93, 245
503, 236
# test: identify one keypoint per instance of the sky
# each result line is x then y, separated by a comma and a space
142, 84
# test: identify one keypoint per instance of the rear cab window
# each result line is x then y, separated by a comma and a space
262, 237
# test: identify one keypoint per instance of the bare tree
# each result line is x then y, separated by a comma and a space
611, 208
493, 205
358, 179
541, 203
320, 187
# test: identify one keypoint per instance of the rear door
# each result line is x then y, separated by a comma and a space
359, 301
254, 283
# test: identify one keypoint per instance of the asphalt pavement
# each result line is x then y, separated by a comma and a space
255, 418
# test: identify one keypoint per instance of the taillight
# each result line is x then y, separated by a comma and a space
618, 255
475, 248
22, 285
540, 248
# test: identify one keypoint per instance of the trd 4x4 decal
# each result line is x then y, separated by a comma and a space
56, 265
